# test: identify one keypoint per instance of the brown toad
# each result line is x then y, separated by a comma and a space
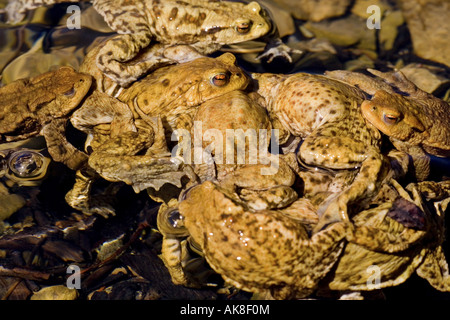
239, 129
383, 252
326, 113
42, 104
238, 240
416, 122
216, 155
259, 251
202, 26
172, 95
270, 250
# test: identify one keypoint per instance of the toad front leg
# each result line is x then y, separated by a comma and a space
421, 160
100, 108
276, 48
186, 267
262, 192
59, 148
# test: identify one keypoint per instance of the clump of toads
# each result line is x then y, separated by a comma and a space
347, 186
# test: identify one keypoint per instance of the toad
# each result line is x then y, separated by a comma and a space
384, 252
172, 93
326, 114
246, 179
163, 102
244, 167
197, 26
42, 105
259, 251
416, 122
270, 250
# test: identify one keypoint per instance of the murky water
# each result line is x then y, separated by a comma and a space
46, 40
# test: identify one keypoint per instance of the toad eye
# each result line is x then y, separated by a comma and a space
220, 79
69, 93
26, 163
243, 27
171, 222
390, 119
175, 219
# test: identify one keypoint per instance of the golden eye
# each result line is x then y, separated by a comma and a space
243, 27
220, 79
390, 119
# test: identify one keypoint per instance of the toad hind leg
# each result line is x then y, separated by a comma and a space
365, 184
113, 57
59, 147
355, 146
320, 252
375, 239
